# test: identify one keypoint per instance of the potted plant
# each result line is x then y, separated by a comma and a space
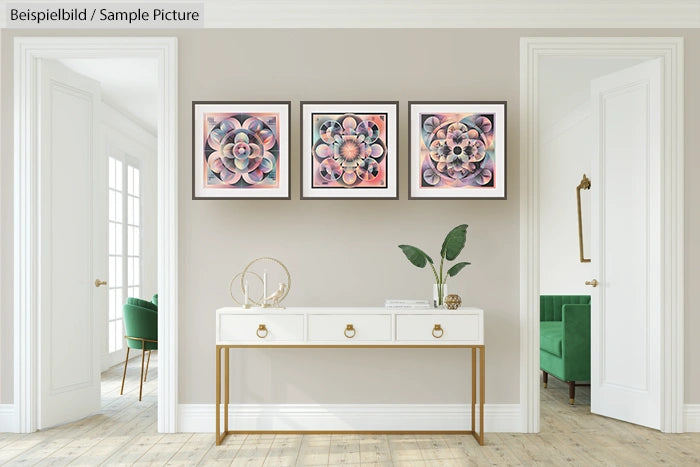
451, 248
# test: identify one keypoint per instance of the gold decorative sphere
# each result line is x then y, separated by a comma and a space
452, 301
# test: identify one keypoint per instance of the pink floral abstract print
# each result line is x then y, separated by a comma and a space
349, 150
241, 150
457, 150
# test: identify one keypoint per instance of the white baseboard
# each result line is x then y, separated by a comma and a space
201, 418
8, 421
691, 416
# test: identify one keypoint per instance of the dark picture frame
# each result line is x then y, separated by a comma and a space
457, 150
244, 155
349, 150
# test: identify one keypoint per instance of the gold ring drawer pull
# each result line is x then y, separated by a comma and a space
262, 328
438, 329
348, 329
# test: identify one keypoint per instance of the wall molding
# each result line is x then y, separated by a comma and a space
691, 418
8, 420
365, 417
27, 265
670, 51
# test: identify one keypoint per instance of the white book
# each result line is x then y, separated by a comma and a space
406, 302
408, 305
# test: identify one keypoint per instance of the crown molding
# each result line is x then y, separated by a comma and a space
467, 14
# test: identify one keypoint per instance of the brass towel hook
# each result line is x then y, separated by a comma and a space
584, 185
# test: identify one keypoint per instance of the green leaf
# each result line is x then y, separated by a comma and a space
416, 256
454, 242
456, 268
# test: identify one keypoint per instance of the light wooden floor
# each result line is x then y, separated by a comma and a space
125, 433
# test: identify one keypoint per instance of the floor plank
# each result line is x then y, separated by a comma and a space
125, 433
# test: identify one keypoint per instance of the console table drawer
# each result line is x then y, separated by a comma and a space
437, 327
261, 328
349, 328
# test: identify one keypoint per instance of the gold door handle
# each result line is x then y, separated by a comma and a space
349, 328
436, 329
262, 328
584, 185
592, 283
99, 282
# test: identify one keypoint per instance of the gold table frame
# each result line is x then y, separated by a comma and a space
479, 436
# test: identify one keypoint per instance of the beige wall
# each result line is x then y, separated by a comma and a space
344, 252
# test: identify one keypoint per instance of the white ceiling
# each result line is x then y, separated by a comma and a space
130, 85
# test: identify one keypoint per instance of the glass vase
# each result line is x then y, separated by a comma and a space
439, 294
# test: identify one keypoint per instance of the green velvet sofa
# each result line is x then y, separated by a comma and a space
565, 339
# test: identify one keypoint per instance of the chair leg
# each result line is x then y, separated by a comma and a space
572, 391
124, 375
148, 361
143, 354
545, 378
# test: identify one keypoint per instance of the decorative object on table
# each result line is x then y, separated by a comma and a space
349, 150
451, 248
584, 185
407, 304
235, 290
457, 150
274, 299
253, 284
453, 301
240, 150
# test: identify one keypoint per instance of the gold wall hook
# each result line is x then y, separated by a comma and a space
584, 185
592, 283
99, 282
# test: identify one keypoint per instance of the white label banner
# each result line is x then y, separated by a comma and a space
96, 15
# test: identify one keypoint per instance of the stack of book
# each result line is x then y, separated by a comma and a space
407, 304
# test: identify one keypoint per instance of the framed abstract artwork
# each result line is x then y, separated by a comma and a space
457, 150
349, 150
240, 150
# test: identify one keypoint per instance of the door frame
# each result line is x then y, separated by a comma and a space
670, 51
27, 264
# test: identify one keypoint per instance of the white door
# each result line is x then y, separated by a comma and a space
625, 245
73, 242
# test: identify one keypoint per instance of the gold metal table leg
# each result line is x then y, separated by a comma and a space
226, 389
473, 352
218, 395
479, 436
482, 391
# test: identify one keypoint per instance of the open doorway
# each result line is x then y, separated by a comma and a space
568, 145
98, 147
83, 241
609, 108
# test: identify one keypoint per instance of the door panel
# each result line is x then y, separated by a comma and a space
625, 246
69, 376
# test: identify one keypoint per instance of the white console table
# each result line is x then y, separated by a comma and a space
347, 328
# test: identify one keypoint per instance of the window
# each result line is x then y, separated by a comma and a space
124, 244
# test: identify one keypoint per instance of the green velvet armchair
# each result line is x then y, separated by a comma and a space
565, 339
141, 326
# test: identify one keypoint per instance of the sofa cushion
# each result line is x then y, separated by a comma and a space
550, 305
550, 337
